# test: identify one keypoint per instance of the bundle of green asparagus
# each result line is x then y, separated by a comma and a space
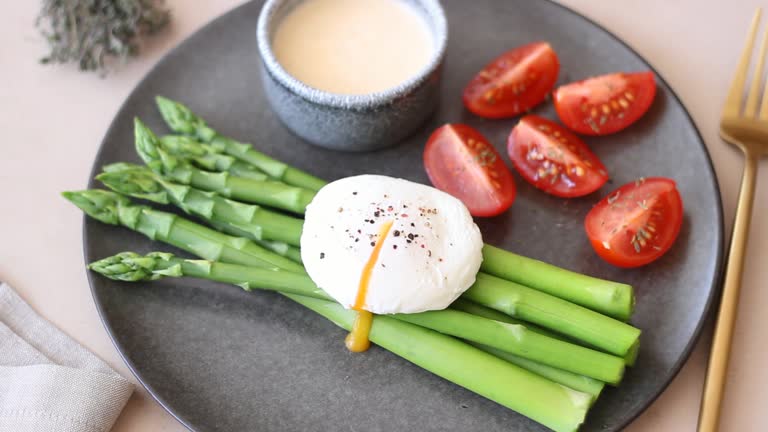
535, 338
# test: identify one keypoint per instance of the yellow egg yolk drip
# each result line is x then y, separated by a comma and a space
357, 339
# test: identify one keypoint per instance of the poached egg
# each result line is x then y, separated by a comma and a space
388, 245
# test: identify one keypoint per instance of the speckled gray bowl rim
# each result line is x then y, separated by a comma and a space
714, 290
438, 28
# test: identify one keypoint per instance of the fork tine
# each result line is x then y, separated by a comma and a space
733, 102
757, 79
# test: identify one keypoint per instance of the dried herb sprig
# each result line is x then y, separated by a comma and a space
89, 32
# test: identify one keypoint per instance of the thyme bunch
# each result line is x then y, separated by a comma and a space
91, 32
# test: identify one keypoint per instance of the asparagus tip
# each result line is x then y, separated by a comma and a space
146, 142
133, 267
182, 120
135, 181
162, 100
168, 110
98, 204
120, 166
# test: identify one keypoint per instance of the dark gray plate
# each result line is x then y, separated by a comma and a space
221, 359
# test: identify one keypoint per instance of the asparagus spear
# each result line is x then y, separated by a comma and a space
486, 312
133, 267
611, 298
114, 209
207, 157
508, 337
182, 120
270, 193
293, 253
528, 344
251, 220
551, 312
469, 306
578, 382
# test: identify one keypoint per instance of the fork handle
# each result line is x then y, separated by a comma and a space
714, 384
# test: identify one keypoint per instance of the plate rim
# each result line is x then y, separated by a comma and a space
714, 289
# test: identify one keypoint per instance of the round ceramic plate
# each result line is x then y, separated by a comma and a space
219, 358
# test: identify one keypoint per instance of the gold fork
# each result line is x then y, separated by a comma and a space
747, 129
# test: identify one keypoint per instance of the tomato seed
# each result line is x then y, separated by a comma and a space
593, 126
623, 103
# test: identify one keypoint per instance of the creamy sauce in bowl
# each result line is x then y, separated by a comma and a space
353, 46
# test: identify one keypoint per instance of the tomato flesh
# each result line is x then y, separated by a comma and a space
605, 104
553, 159
514, 82
637, 223
460, 161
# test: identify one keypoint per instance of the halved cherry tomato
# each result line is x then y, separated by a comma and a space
553, 159
637, 223
460, 161
513, 82
605, 104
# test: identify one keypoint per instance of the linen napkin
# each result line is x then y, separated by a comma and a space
48, 381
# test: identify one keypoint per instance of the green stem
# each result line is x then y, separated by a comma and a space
291, 252
516, 339
268, 193
465, 305
473, 308
294, 254
631, 356
207, 157
274, 168
578, 382
249, 278
556, 314
611, 298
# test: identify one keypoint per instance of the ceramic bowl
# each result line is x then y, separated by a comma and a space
351, 122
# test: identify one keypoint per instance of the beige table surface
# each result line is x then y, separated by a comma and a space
52, 120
